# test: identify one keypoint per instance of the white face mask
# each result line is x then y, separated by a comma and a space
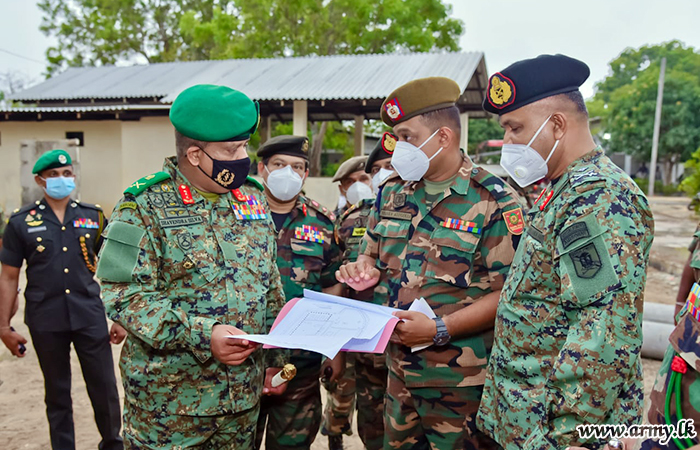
379, 177
523, 163
357, 192
410, 162
342, 201
284, 184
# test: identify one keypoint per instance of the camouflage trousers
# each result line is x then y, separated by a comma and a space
292, 420
433, 418
690, 403
340, 402
371, 374
147, 430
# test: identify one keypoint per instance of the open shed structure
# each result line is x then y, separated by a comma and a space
120, 114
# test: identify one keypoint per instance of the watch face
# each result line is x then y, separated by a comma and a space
442, 339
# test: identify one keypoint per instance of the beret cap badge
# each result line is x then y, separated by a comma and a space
501, 91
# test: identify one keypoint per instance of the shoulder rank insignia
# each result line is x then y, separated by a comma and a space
86, 223
144, 183
514, 221
461, 225
248, 208
309, 233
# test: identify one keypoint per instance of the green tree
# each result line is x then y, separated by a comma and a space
96, 32
626, 101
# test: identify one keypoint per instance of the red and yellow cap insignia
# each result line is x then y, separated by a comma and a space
514, 221
389, 142
501, 91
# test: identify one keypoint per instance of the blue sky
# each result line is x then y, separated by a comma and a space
595, 31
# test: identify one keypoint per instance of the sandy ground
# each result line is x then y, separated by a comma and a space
23, 423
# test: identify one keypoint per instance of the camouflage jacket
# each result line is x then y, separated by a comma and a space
685, 342
349, 230
307, 255
174, 264
452, 255
569, 322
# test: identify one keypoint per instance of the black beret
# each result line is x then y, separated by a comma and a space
285, 145
530, 80
383, 150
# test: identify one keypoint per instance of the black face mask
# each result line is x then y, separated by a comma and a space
228, 174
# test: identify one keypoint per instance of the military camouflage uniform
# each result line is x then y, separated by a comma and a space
568, 326
685, 342
175, 264
433, 395
307, 257
366, 373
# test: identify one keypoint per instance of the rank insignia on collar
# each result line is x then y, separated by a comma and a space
86, 223
461, 225
514, 221
249, 209
309, 233
185, 194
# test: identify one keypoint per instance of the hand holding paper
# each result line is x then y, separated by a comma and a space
417, 327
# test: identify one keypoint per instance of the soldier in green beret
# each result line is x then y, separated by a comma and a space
188, 261
568, 328
307, 257
445, 230
59, 239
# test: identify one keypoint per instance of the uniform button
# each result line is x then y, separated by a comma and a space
63, 228
87, 236
65, 249
475, 171
67, 291
38, 239
66, 270
42, 207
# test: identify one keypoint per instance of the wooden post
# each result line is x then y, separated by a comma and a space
301, 118
359, 135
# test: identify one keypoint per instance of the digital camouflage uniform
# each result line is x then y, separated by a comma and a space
175, 264
307, 257
685, 344
433, 395
367, 371
569, 322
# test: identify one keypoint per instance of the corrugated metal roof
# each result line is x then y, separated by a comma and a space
82, 109
301, 78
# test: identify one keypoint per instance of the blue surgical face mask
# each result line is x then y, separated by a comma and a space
59, 187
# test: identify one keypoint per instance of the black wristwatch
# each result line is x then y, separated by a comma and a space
442, 337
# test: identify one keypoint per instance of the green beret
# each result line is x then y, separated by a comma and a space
285, 145
352, 165
383, 150
51, 160
419, 97
210, 113
530, 80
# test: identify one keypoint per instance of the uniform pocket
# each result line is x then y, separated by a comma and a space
451, 256
392, 242
307, 261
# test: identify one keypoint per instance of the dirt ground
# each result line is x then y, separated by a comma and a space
23, 423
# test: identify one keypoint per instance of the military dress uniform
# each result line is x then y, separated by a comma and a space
176, 263
307, 257
370, 369
676, 392
63, 306
568, 326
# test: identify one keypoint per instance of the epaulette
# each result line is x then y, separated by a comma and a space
492, 183
26, 208
391, 177
585, 175
364, 202
255, 183
322, 210
144, 183
96, 207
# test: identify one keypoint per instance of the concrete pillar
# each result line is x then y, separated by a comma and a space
265, 129
301, 118
465, 130
628, 164
359, 135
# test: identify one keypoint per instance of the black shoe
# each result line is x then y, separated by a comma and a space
335, 442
